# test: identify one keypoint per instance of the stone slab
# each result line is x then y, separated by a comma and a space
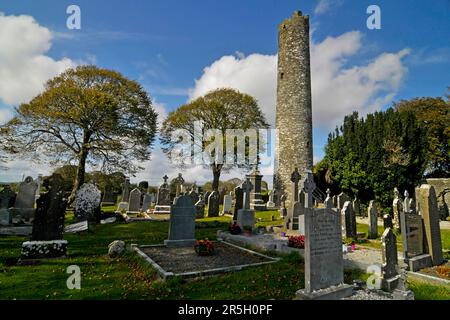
331, 293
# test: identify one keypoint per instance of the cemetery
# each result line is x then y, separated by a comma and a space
310, 231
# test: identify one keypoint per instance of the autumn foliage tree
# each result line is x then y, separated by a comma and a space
86, 116
218, 110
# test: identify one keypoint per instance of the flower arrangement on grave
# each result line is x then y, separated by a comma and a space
234, 228
204, 247
297, 242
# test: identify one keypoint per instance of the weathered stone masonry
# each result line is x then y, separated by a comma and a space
294, 112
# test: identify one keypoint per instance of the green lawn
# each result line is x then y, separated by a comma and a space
129, 277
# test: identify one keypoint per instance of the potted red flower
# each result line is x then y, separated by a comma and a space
297, 242
204, 247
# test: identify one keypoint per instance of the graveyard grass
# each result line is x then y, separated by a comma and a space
129, 277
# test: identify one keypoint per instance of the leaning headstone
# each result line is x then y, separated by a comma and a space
349, 220
227, 204
194, 195
213, 204
48, 225
200, 208
134, 201
396, 208
87, 203
324, 267
246, 216
389, 275
428, 209
373, 220
182, 223
238, 201
26, 194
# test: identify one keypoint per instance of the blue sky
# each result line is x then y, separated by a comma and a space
166, 45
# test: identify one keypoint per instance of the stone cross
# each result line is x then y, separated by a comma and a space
406, 203
247, 187
308, 187
295, 178
396, 208
179, 181
165, 179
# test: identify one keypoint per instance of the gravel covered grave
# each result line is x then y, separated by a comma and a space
184, 259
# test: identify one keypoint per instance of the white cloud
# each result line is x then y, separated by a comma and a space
24, 65
337, 89
324, 6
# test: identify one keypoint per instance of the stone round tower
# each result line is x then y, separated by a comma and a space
293, 113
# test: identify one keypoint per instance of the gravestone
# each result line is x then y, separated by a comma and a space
87, 203
246, 216
335, 201
349, 220
328, 200
48, 225
213, 204
428, 209
26, 195
295, 179
207, 194
324, 267
283, 209
342, 198
194, 195
77, 227
372, 213
389, 275
147, 202
256, 202
182, 223
387, 221
7, 199
179, 181
238, 201
122, 207
163, 198
39, 181
270, 205
396, 209
200, 208
357, 207
125, 190
296, 206
227, 204
108, 196
135, 201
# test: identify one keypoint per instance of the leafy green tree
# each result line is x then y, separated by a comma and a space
219, 110
105, 181
433, 115
86, 116
369, 157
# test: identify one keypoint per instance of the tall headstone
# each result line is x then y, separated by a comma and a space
227, 204
238, 201
163, 198
194, 195
182, 223
389, 274
87, 203
256, 202
293, 110
283, 209
328, 200
246, 216
135, 201
396, 209
324, 267
270, 205
48, 225
372, 213
147, 202
308, 187
406, 203
295, 179
213, 204
349, 220
125, 190
428, 209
